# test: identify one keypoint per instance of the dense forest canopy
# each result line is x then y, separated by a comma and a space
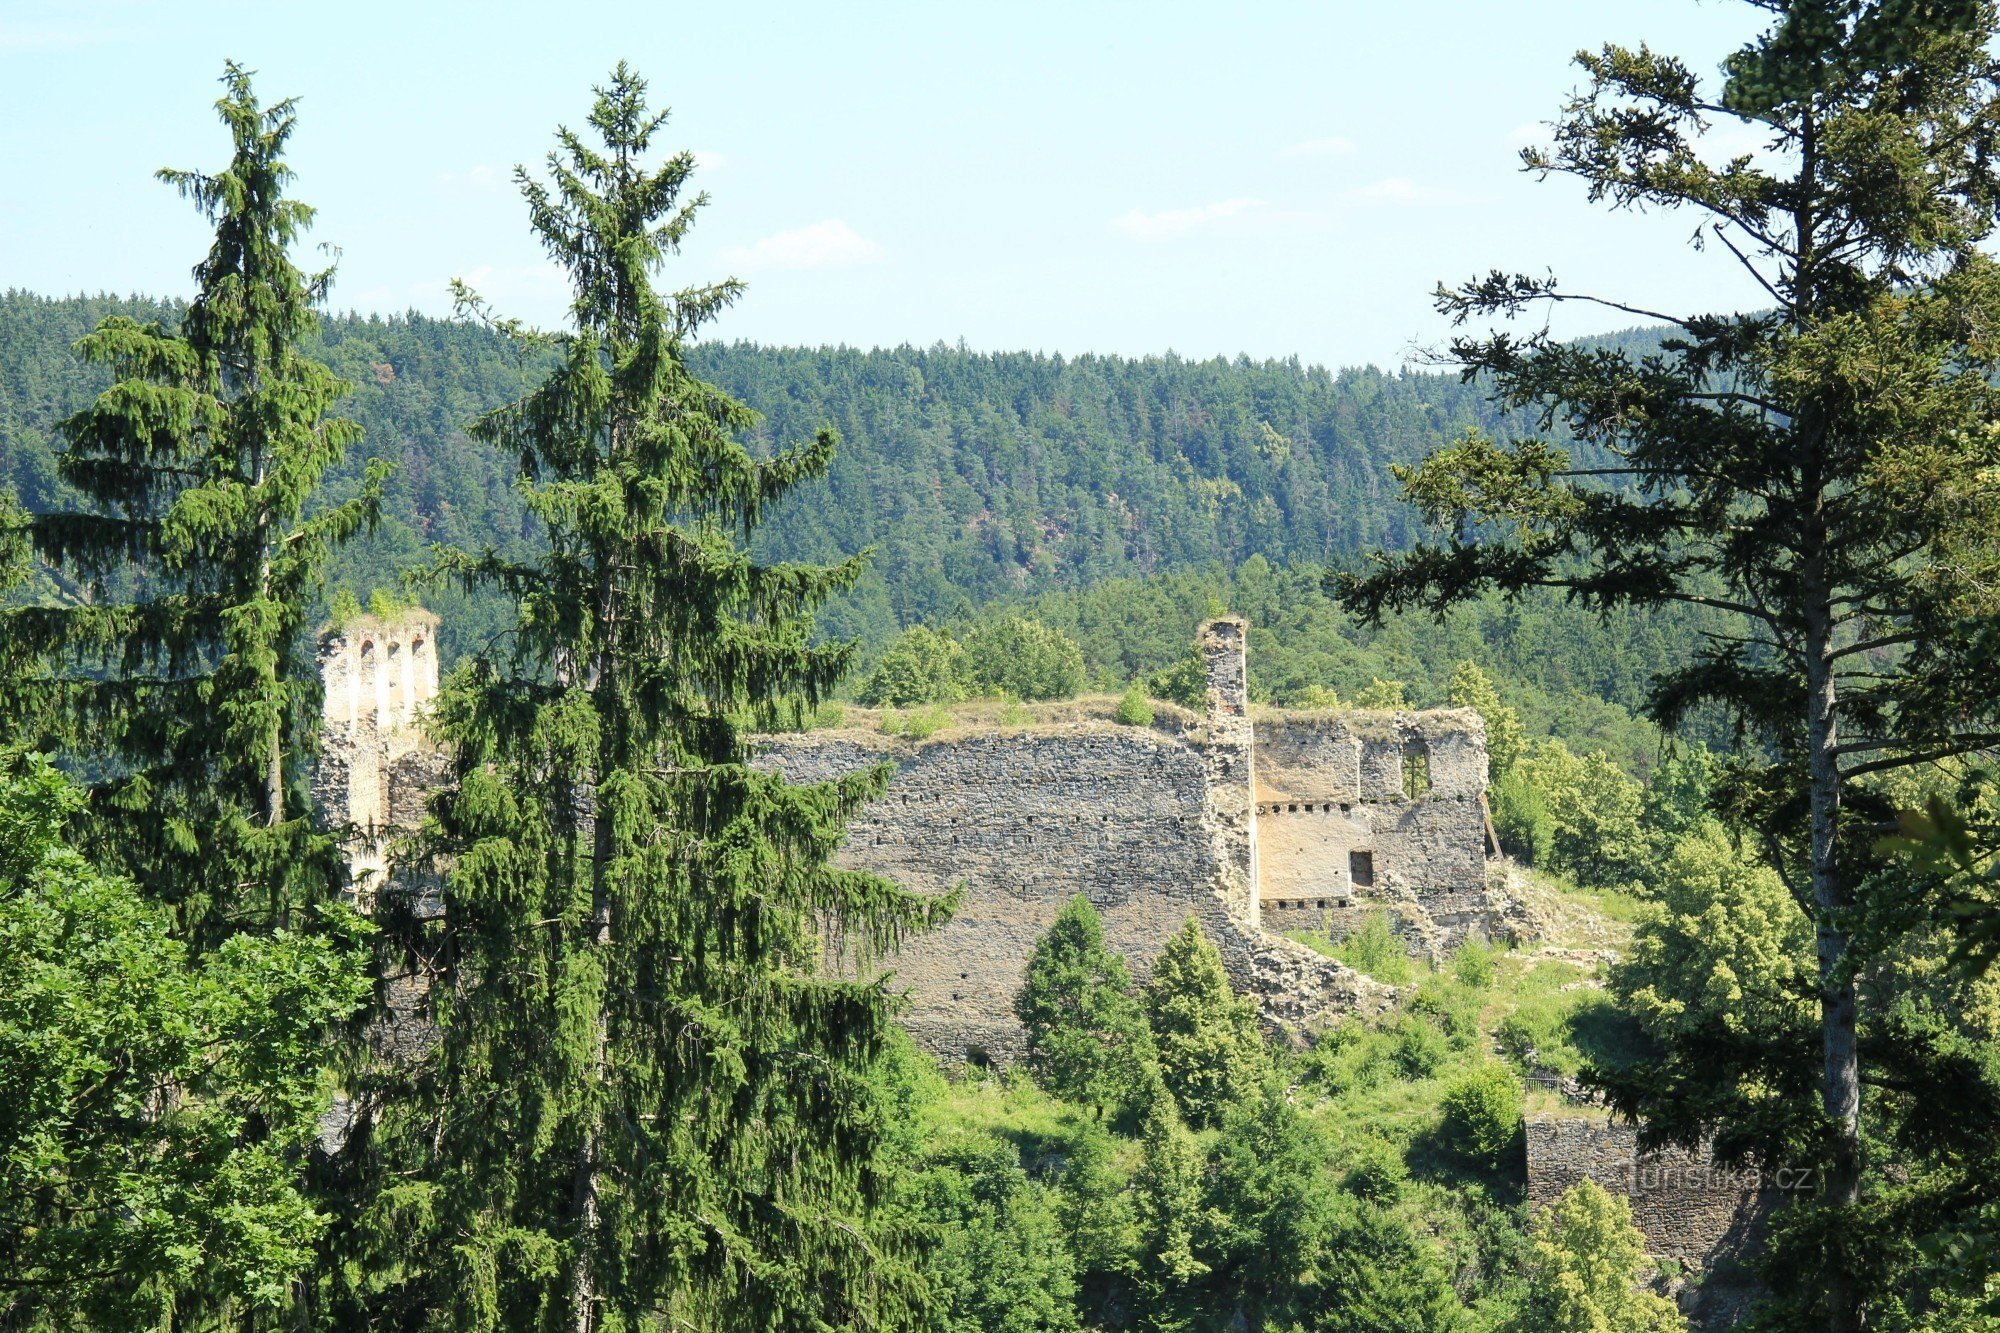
974, 475
1119, 500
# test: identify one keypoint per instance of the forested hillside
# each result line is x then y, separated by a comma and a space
1117, 499
974, 476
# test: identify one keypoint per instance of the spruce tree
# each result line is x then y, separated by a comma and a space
650, 1103
1170, 1207
1087, 1039
1822, 475
1205, 1035
179, 676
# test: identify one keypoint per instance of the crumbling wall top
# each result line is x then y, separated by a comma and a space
379, 670
1225, 664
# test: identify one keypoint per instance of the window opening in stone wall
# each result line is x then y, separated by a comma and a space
1361, 869
1416, 769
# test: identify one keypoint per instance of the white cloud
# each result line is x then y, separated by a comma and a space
1399, 191
1534, 134
531, 291
481, 179
828, 244
1179, 221
1332, 146
706, 161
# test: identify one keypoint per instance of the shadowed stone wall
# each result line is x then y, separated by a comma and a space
1702, 1217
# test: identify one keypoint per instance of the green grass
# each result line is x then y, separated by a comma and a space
1374, 950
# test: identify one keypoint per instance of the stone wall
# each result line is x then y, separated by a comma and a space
1361, 812
1702, 1217
1152, 824
1245, 823
1025, 820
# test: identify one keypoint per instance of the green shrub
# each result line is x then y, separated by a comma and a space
924, 723
1375, 1169
1420, 1050
918, 724
921, 667
1184, 683
1023, 658
1482, 1112
1521, 819
1587, 1265
1375, 950
1329, 1061
343, 608
1453, 1007
1135, 709
1473, 964
1383, 695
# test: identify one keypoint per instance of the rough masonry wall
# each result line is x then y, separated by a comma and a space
1230, 749
1025, 820
376, 766
1153, 824
1703, 1217
1361, 812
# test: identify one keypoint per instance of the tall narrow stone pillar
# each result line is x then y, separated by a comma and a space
1231, 755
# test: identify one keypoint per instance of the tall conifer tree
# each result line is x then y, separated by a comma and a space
179, 673
1824, 472
651, 1100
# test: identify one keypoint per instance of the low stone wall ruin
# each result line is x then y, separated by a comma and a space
1696, 1216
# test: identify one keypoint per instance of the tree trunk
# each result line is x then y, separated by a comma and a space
1840, 1086
603, 686
274, 761
583, 1282
274, 776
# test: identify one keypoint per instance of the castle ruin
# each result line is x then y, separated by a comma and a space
1254, 822
376, 766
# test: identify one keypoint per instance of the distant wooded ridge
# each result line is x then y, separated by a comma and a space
1117, 498
973, 475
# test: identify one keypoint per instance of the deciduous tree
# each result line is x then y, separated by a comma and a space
153, 1107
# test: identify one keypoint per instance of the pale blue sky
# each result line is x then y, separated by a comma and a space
1260, 177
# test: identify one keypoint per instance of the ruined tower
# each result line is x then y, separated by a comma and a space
376, 765
1232, 761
